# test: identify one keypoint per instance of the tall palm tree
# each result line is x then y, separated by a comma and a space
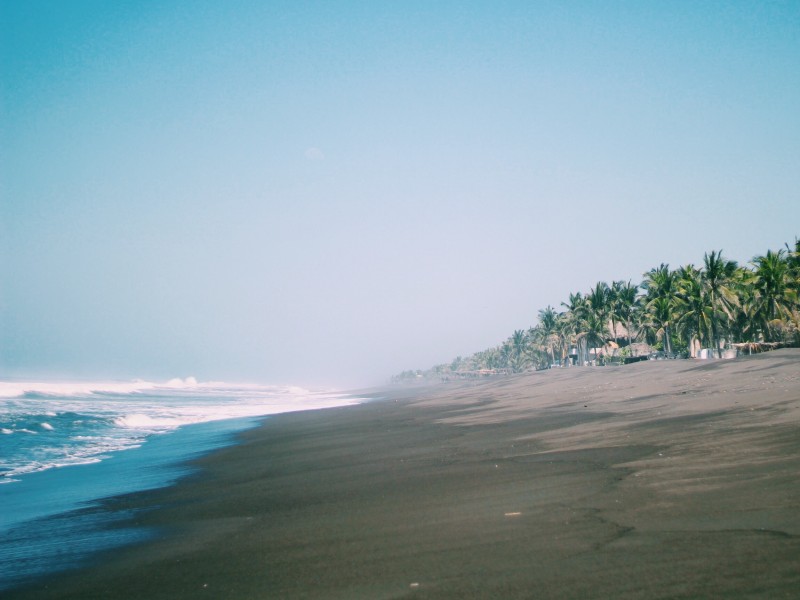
600, 300
774, 296
624, 304
716, 276
692, 308
656, 318
595, 316
743, 324
659, 302
595, 328
540, 349
793, 260
518, 349
564, 331
577, 308
547, 324
613, 305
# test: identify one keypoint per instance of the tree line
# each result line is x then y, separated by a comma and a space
673, 311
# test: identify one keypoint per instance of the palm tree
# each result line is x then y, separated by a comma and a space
456, 364
613, 313
691, 306
506, 355
656, 318
547, 323
716, 277
564, 331
595, 326
491, 358
591, 312
774, 296
600, 300
688, 304
659, 303
577, 307
793, 260
742, 325
588, 316
518, 350
540, 348
624, 298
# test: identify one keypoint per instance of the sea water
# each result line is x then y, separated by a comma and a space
65, 446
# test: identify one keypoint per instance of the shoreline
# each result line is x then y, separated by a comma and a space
660, 479
70, 501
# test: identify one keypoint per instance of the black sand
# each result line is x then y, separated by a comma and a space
674, 479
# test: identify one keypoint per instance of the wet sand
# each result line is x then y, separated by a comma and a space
667, 479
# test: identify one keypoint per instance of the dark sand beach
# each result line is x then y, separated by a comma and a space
663, 479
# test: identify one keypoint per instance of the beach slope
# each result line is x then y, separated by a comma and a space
663, 479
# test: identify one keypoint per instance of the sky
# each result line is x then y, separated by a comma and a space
328, 193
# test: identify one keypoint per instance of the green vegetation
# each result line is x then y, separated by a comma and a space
718, 306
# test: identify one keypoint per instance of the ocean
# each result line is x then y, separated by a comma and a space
66, 446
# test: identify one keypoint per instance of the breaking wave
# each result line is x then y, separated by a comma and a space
47, 425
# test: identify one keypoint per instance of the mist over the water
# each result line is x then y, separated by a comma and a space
304, 193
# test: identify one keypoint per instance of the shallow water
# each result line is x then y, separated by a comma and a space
64, 448
52, 520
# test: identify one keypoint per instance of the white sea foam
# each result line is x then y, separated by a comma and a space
18, 389
74, 423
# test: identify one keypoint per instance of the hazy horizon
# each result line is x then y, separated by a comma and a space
331, 193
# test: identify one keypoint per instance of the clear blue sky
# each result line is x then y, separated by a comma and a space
332, 192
